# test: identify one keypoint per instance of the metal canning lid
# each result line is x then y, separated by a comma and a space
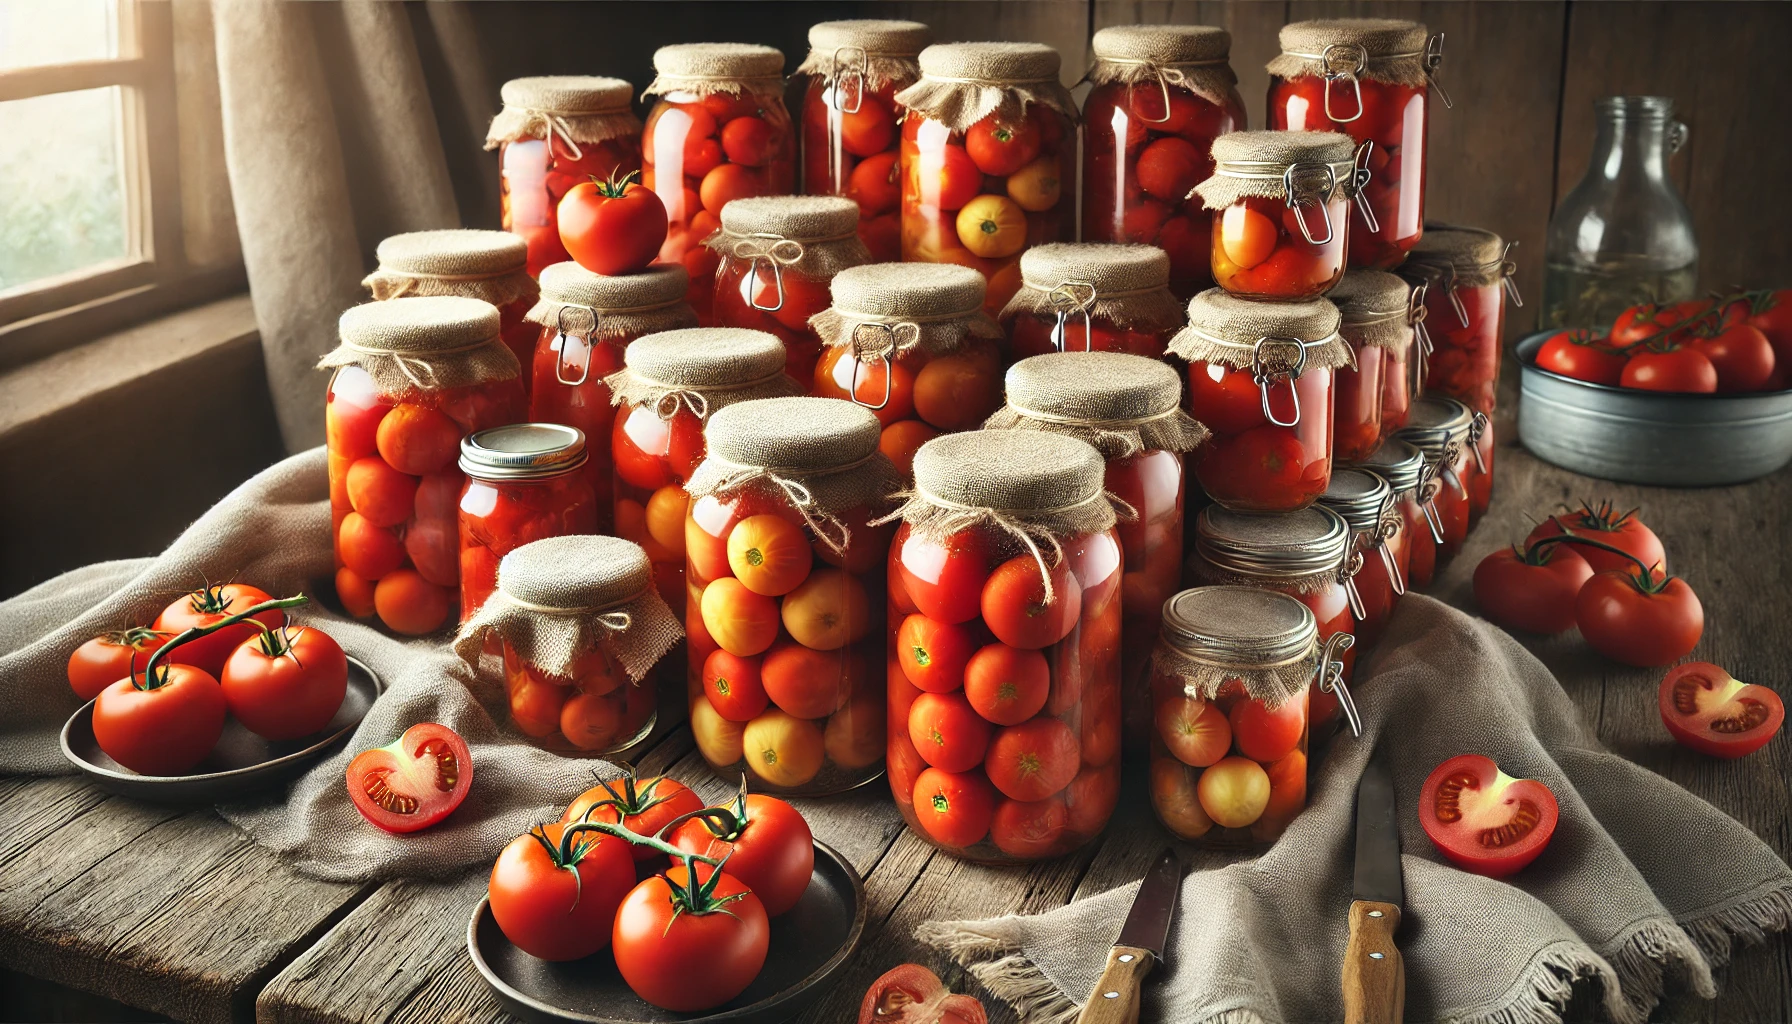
1359, 496
522, 451
1435, 423
1246, 627
1400, 463
1273, 545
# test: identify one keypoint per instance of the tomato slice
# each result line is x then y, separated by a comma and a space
1484, 820
1711, 711
414, 781
912, 994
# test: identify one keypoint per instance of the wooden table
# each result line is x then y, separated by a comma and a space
172, 911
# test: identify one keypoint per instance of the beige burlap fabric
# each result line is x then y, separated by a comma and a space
879, 53
577, 301
423, 344
578, 108
1257, 164
1377, 309
816, 236
1267, 641
1451, 256
706, 68
1121, 404
489, 265
702, 369
1377, 49
889, 309
1123, 284
563, 597
1225, 329
1192, 57
963, 83
1305, 551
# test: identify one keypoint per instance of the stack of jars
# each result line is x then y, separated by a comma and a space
1092, 297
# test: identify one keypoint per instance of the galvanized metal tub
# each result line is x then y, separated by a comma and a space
1649, 437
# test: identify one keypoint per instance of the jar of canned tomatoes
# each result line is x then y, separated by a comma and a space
1366, 502
1281, 205
1369, 78
1467, 278
1415, 546
554, 132
988, 159
1243, 661
911, 342
1260, 377
582, 633
413, 377
485, 265
1162, 94
777, 256
584, 322
785, 630
850, 118
1442, 428
1378, 310
669, 386
1130, 409
525, 482
1307, 555
1092, 297
1004, 670
718, 132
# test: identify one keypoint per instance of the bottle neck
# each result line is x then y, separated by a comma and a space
1631, 143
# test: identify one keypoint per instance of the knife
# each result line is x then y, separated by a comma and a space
1374, 975
1115, 999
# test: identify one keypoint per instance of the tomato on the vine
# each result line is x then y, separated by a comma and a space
1709, 710
554, 892
208, 606
1670, 368
286, 683
414, 781
764, 841
1484, 820
912, 994
687, 944
161, 722
1580, 355
1649, 320
1638, 618
1605, 524
112, 656
643, 805
613, 227
1741, 354
1532, 587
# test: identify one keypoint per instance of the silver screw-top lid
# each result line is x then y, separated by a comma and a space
1435, 423
1241, 626
1400, 463
522, 451
1273, 545
1359, 496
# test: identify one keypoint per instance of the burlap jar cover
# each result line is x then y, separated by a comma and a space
877, 54
580, 109
425, 343
817, 454
1301, 552
887, 310
1192, 57
703, 69
1258, 637
1121, 404
1126, 285
1378, 310
1274, 340
1297, 168
1344, 50
492, 266
576, 301
702, 370
963, 83
1449, 257
561, 598
815, 236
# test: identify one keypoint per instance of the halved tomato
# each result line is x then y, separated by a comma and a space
912, 994
414, 781
1711, 711
1484, 820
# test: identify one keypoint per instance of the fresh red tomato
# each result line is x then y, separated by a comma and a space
286, 683
1531, 590
1681, 370
1579, 355
555, 895
934, 654
1712, 712
947, 731
1639, 620
1484, 820
944, 579
1033, 760
1771, 313
688, 944
1648, 320
1741, 354
1017, 609
1605, 524
999, 148
207, 606
112, 656
613, 227
414, 781
1265, 734
912, 994
642, 805
765, 841
954, 808
163, 725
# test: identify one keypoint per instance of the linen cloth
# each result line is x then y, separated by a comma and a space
273, 532
1643, 884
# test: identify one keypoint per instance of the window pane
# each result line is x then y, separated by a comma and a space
37, 32
61, 193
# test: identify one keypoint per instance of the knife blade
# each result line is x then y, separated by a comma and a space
1374, 976
1115, 999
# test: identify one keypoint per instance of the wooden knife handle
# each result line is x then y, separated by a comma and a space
1374, 975
1116, 996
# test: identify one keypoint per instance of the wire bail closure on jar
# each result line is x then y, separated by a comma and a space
1353, 564
1433, 60
776, 250
1297, 180
1350, 60
859, 69
1264, 374
1431, 484
1416, 312
564, 336
1359, 180
1477, 426
1388, 525
1331, 678
884, 352
1071, 298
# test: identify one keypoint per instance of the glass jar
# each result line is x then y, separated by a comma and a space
1162, 94
584, 323
1366, 501
1378, 310
1092, 297
1440, 427
1623, 236
525, 482
777, 257
695, 156
978, 192
784, 629
850, 118
1260, 377
1371, 79
1281, 204
1305, 554
1403, 369
1004, 667
555, 132
1414, 546
414, 376
1467, 279
1245, 661
911, 342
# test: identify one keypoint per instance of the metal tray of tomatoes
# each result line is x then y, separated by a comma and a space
241, 763
1649, 437
810, 946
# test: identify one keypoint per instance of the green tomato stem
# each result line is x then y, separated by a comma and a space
149, 668
630, 836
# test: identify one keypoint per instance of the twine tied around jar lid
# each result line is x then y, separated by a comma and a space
887, 310
1350, 49
563, 597
1299, 169
578, 108
816, 236
855, 54
1267, 641
1451, 256
702, 369
1366, 501
580, 304
704, 69
426, 343
1304, 551
1192, 57
963, 83
1121, 404
1123, 284
1276, 341
492, 266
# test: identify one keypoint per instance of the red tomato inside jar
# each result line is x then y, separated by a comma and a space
1441, 428
1414, 540
1280, 202
1378, 311
1092, 297
525, 483
1366, 502
1162, 94
1467, 279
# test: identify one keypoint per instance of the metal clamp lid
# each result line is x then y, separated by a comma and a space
1274, 546
523, 451
1239, 626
